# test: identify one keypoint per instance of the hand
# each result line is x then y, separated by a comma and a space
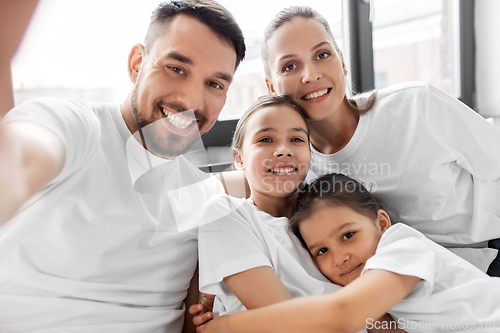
202, 312
218, 325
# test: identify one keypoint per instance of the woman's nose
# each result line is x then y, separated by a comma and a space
310, 74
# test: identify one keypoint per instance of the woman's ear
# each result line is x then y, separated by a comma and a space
383, 220
238, 161
270, 88
135, 59
344, 67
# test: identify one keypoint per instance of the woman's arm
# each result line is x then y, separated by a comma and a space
348, 310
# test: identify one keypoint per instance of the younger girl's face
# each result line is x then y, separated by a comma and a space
341, 240
304, 65
275, 151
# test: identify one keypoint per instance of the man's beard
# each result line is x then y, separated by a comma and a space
168, 145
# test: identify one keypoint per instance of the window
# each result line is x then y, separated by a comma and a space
79, 48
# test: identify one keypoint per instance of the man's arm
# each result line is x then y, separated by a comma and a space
14, 19
30, 157
191, 299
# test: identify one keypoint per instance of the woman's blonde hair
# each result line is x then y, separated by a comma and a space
287, 15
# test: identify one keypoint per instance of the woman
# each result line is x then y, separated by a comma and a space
418, 148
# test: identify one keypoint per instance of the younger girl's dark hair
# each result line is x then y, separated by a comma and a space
335, 190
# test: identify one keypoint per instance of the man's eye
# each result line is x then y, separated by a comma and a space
214, 85
348, 235
177, 70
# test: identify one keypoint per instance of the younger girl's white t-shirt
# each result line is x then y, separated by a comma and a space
453, 295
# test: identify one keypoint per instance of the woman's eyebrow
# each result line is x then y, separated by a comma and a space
312, 49
319, 45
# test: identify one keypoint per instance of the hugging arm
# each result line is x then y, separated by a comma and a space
369, 296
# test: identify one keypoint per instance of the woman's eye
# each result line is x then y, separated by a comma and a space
297, 140
214, 85
265, 140
321, 251
323, 55
289, 67
347, 235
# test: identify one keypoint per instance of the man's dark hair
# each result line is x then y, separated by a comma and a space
208, 12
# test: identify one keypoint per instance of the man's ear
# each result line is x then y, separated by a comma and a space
270, 88
135, 58
383, 220
238, 161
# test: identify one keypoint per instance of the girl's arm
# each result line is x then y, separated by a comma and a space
258, 287
348, 310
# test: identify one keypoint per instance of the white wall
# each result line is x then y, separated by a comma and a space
487, 30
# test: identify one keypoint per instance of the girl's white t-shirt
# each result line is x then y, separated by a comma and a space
453, 295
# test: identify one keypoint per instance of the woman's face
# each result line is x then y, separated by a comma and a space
275, 151
305, 66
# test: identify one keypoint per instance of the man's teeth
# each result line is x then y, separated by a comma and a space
283, 170
316, 94
177, 120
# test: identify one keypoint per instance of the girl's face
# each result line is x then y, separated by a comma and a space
275, 151
341, 240
305, 66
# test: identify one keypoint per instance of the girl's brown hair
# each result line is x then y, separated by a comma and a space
262, 102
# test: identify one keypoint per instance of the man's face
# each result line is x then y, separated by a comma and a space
181, 86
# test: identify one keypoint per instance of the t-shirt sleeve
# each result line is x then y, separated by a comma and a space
472, 140
72, 121
403, 250
228, 243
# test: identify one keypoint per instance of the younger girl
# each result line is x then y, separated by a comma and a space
394, 269
346, 230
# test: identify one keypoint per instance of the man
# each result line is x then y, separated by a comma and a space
91, 245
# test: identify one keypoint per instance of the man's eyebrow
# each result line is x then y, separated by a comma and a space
179, 57
186, 60
224, 76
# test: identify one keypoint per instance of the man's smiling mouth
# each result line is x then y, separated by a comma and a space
176, 120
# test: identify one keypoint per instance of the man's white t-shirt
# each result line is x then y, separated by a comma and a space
92, 252
453, 295
433, 160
